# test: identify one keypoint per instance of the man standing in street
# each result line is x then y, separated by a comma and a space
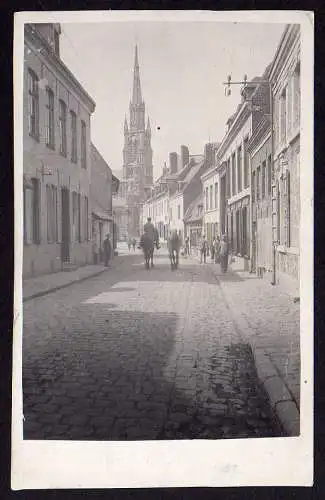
224, 254
203, 249
107, 250
151, 232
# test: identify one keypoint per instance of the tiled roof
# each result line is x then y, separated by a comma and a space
191, 212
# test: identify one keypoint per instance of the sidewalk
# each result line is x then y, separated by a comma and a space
269, 319
47, 283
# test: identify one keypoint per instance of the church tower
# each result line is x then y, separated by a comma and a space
137, 153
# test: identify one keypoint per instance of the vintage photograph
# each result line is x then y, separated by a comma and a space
161, 230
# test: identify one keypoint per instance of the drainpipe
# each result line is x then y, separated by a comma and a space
273, 282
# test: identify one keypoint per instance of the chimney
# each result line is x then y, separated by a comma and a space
185, 156
173, 162
209, 154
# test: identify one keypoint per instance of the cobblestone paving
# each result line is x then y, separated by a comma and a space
136, 354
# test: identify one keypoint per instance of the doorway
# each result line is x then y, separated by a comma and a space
65, 227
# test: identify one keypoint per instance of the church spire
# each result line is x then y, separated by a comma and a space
126, 128
136, 96
148, 126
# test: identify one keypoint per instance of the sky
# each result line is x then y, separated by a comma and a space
182, 68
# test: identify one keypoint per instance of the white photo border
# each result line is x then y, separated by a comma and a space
191, 463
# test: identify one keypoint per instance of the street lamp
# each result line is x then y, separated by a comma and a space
268, 82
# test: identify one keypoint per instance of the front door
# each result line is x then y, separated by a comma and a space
65, 221
254, 246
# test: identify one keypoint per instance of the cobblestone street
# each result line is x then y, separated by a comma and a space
137, 354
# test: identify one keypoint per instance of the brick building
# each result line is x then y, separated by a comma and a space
56, 161
285, 77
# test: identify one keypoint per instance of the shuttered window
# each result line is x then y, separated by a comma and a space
33, 105
51, 213
49, 119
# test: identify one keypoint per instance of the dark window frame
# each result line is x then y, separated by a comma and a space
33, 102
50, 122
63, 127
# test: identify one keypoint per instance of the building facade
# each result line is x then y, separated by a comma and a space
103, 185
210, 198
120, 209
285, 77
260, 151
57, 168
193, 221
234, 168
137, 155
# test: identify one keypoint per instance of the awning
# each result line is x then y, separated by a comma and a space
102, 215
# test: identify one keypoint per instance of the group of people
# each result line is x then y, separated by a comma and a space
132, 243
218, 251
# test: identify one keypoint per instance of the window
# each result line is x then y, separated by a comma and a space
269, 175
253, 186
245, 246
33, 105
228, 178
283, 116
75, 216
233, 168
51, 212
246, 165
211, 197
49, 119
32, 212
73, 119
239, 167
263, 178
206, 199
296, 97
63, 128
86, 219
216, 195
83, 145
258, 185
179, 211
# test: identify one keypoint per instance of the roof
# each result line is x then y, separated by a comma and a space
191, 212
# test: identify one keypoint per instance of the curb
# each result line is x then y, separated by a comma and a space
64, 285
280, 397
59, 287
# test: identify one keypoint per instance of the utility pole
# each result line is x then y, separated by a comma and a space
244, 83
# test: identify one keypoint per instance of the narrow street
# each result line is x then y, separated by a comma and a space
136, 354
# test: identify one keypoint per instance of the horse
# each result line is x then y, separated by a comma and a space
147, 245
174, 245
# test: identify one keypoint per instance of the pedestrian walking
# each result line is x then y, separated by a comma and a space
224, 254
129, 244
203, 249
187, 245
107, 250
133, 244
217, 251
213, 249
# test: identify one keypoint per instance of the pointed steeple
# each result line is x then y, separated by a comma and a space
148, 129
126, 128
136, 96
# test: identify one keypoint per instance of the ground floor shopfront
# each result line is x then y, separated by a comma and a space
238, 229
101, 227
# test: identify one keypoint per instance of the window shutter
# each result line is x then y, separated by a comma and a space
288, 208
